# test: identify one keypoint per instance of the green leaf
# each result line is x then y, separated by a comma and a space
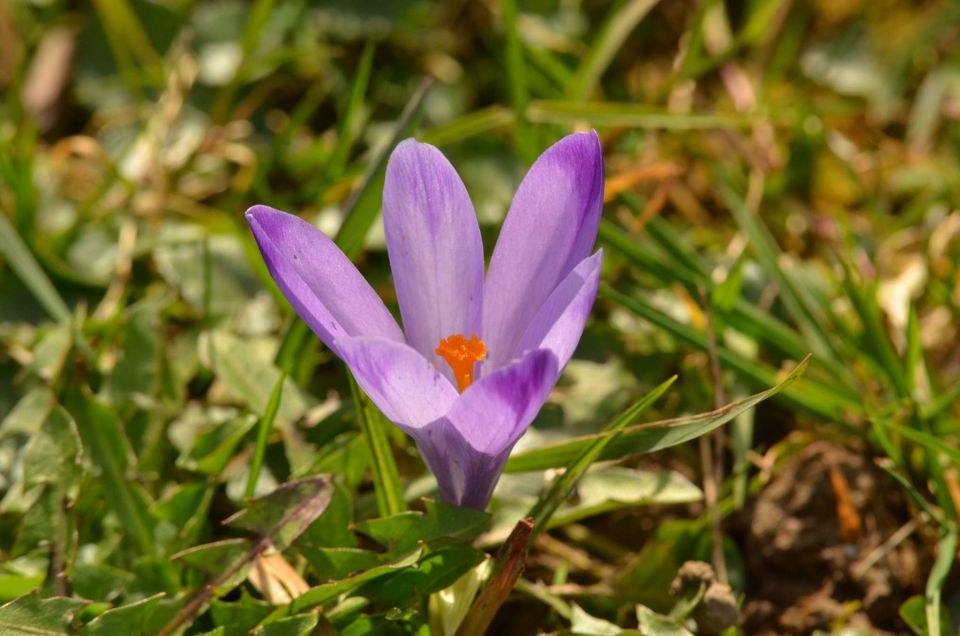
327, 591
644, 438
564, 485
132, 618
386, 479
300, 625
946, 553
437, 569
403, 531
583, 623
285, 513
16, 252
653, 624
249, 377
53, 455
107, 445
619, 24
263, 433
31, 614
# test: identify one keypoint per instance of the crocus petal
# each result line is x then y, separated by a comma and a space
318, 279
559, 323
466, 449
465, 476
406, 388
434, 245
551, 226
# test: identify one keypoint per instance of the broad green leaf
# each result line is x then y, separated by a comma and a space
53, 455
29, 413
31, 614
126, 619
653, 624
250, 377
300, 625
327, 591
583, 623
339, 563
239, 617
644, 438
403, 531
282, 515
437, 569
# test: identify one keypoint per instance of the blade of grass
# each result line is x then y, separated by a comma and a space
355, 226
469, 125
571, 113
386, 479
256, 20
349, 117
812, 397
547, 504
263, 433
690, 271
103, 437
516, 78
644, 438
29, 271
938, 576
619, 24
801, 307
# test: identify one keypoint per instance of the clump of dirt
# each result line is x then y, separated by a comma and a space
814, 541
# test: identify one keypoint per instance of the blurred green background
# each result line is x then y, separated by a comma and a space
783, 178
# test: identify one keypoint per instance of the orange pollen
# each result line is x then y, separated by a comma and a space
461, 354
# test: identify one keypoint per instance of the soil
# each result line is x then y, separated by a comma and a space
814, 545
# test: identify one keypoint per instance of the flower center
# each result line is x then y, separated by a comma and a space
461, 354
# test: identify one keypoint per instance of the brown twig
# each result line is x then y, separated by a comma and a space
509, 566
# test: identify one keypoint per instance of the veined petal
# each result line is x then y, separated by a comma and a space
406, 388
494, 412
551, 226
435, 249
466, 450
559, 323
465, 476
318, 279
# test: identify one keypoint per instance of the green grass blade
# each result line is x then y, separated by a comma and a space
103, 438
356, 225
570, 113
517, 80
620, 23
802, 308
386, 479
561, 488
263, 433
938, 576
643, 438
348, 120
29, 271
813, 397
470, 125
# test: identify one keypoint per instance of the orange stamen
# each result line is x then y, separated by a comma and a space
461, 354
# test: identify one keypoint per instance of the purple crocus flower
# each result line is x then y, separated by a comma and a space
477, 356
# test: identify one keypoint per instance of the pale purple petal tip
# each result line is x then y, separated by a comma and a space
320, 282
551, 227
434, 245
